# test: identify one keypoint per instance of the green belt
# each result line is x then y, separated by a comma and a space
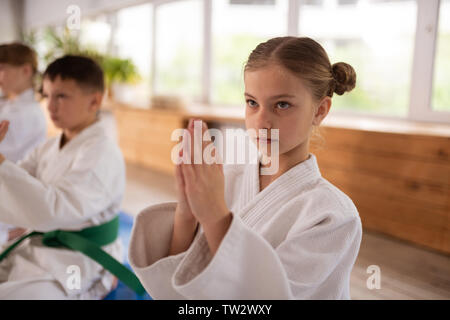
89, 241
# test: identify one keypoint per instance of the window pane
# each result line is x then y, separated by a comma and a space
133, 21
377, 39
95, 34
237, 29
441, 81
179, 27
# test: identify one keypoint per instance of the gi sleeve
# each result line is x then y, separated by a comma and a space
30, 162
312, 264
74, 198
149, 248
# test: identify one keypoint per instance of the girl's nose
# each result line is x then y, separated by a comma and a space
264, 118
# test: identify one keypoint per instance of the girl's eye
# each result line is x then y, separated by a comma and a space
61, 96
283, 105
251, 103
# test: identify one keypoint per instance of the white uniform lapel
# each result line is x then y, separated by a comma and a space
58, 161
259, 204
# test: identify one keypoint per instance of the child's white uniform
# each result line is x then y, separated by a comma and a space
27, 127
296, 239
72, 188
27, 130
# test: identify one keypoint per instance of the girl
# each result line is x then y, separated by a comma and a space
237, 234
28, 129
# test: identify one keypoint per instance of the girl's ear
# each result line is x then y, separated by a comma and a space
322, 110
27, 70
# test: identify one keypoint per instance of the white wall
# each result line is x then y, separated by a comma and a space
10, 20
39, 13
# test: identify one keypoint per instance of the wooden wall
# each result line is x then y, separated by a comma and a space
145, 137
400, 183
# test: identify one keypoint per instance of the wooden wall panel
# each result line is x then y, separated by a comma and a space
400, 183
145, 137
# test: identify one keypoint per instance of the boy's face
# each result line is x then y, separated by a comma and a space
70, 106
13, 79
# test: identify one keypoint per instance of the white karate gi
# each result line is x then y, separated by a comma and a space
27, 127
27, 130
72, 188
296, 239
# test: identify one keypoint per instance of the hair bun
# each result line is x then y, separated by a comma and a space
345, 77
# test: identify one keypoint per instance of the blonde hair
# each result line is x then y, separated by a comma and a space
18, 54
307, 59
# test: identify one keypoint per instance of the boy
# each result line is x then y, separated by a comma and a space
73, 182
28, 129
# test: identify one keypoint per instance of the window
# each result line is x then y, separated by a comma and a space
197, 48
178, 48
133, 40
236, 30
377, 39
441, 79
95, 33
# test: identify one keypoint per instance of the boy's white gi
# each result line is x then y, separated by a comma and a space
72, 188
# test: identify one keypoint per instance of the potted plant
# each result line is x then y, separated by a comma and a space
116, 70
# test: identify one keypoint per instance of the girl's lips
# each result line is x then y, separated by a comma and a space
264, 140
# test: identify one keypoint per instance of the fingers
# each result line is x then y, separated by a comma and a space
201, 142
179, 177
206, 135
210, 153
186, 168
196, 130
198, 150
186, 147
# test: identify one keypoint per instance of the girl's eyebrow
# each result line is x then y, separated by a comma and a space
278, 96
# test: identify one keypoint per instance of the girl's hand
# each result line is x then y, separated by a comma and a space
204, 186
185, 224
183, 209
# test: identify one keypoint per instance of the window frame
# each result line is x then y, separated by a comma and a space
206, 50
420, 91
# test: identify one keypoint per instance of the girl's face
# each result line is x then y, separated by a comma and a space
277, 99
14, 79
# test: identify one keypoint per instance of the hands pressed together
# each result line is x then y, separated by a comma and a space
201, 197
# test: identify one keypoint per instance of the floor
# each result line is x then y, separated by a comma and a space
407, 272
